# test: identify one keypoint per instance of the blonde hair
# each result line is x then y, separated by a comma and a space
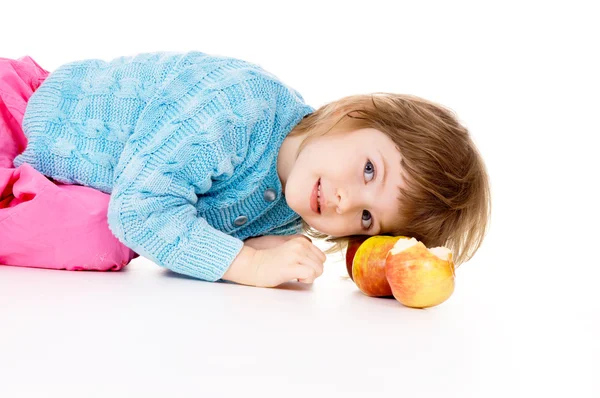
447, 199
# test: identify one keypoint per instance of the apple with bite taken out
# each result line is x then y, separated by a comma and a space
368, 265
419, 277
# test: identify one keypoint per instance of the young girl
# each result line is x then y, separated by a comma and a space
214, 168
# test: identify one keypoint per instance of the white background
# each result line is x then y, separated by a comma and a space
523, 321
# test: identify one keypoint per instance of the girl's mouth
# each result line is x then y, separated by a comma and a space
319, 195
315, 197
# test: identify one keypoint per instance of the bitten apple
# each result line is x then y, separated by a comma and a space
368, 266
420, 277
353, 246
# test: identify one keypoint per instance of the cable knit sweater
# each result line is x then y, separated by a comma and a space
185, 143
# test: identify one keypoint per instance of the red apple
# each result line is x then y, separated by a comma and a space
420, 277
368, 267
353, 246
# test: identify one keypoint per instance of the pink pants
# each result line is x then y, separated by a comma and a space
46, 224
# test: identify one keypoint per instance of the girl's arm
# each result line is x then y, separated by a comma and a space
152, 208
168, 163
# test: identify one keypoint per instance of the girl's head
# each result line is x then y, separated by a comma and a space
436, 185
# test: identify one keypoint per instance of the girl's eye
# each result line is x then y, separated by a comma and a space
366, 216
369, 168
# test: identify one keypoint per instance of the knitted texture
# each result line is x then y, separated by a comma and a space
185, 143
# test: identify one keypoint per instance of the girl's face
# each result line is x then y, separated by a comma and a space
359, 177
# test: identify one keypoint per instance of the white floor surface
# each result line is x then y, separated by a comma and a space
146, 331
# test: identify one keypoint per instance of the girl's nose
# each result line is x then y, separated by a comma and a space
344, 201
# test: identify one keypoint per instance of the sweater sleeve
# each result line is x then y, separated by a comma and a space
185, 137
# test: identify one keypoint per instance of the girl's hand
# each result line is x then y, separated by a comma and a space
296, 258
270, 241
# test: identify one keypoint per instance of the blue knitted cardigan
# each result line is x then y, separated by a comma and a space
185, 143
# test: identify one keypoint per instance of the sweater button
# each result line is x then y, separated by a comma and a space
241, 220
270, 195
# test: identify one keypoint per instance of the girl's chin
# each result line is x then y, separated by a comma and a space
316, 228
312, 225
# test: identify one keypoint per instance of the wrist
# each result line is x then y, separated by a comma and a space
243, 268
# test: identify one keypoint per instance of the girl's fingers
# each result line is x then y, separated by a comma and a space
310, 271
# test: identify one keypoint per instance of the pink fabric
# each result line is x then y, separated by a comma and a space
46, 224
